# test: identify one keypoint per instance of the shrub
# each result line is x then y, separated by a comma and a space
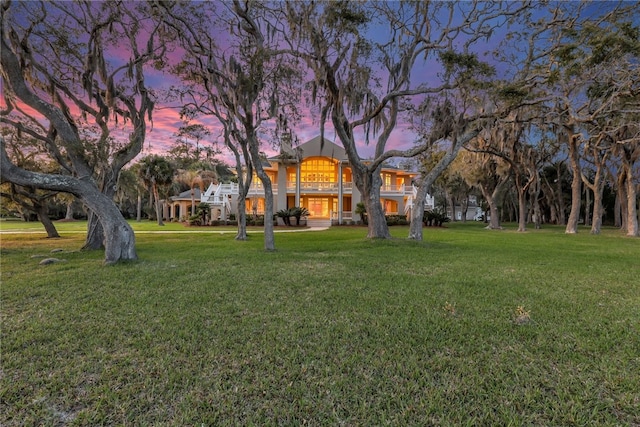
434, 218
298, 213
284, 214
361, 210
396, 220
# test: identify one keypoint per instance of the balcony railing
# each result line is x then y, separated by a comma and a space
257, 189
347, 187
308, 186
329, 187
396, 189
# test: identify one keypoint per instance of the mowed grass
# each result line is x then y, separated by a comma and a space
469, 327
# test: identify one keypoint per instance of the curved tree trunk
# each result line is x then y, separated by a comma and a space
368, 184
417, 213
119, 237
95, 233
269, 240
43, 215
244, 181
107, 184
377, 227
494, 216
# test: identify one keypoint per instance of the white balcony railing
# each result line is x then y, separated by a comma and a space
347, 187
396, 189
257, 189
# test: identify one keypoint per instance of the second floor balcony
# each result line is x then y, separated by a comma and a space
328, 188
347, 188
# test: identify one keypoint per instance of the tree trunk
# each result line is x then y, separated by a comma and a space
464, 207
95, 233
367, 181
587, 203
377, 227
42, 211
139, 208
242, 220
553, 213
69, 214
269, 240
522, 204
243, 190
537, 214
562, 217
158, 205
452, 205
598, 190
598, 211
417, 213
617, 210
522, 211
632, 217
576, 186
536, 189
622, 194
494, 218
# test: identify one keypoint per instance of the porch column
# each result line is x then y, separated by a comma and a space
298, 184
340, 193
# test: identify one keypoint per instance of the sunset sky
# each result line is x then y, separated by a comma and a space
166, 120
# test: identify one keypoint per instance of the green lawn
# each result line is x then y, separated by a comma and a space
470, 327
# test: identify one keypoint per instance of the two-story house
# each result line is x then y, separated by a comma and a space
313, 175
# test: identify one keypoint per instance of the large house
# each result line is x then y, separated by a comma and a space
314, 175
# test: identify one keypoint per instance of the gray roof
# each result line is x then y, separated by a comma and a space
186, 195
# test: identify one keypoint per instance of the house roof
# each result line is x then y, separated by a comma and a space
186, 195
317, 147
322, 148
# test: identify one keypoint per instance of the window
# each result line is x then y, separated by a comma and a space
386, 181
318, 207
318, 170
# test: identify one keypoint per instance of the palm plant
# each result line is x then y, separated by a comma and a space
156, 172
298, 212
